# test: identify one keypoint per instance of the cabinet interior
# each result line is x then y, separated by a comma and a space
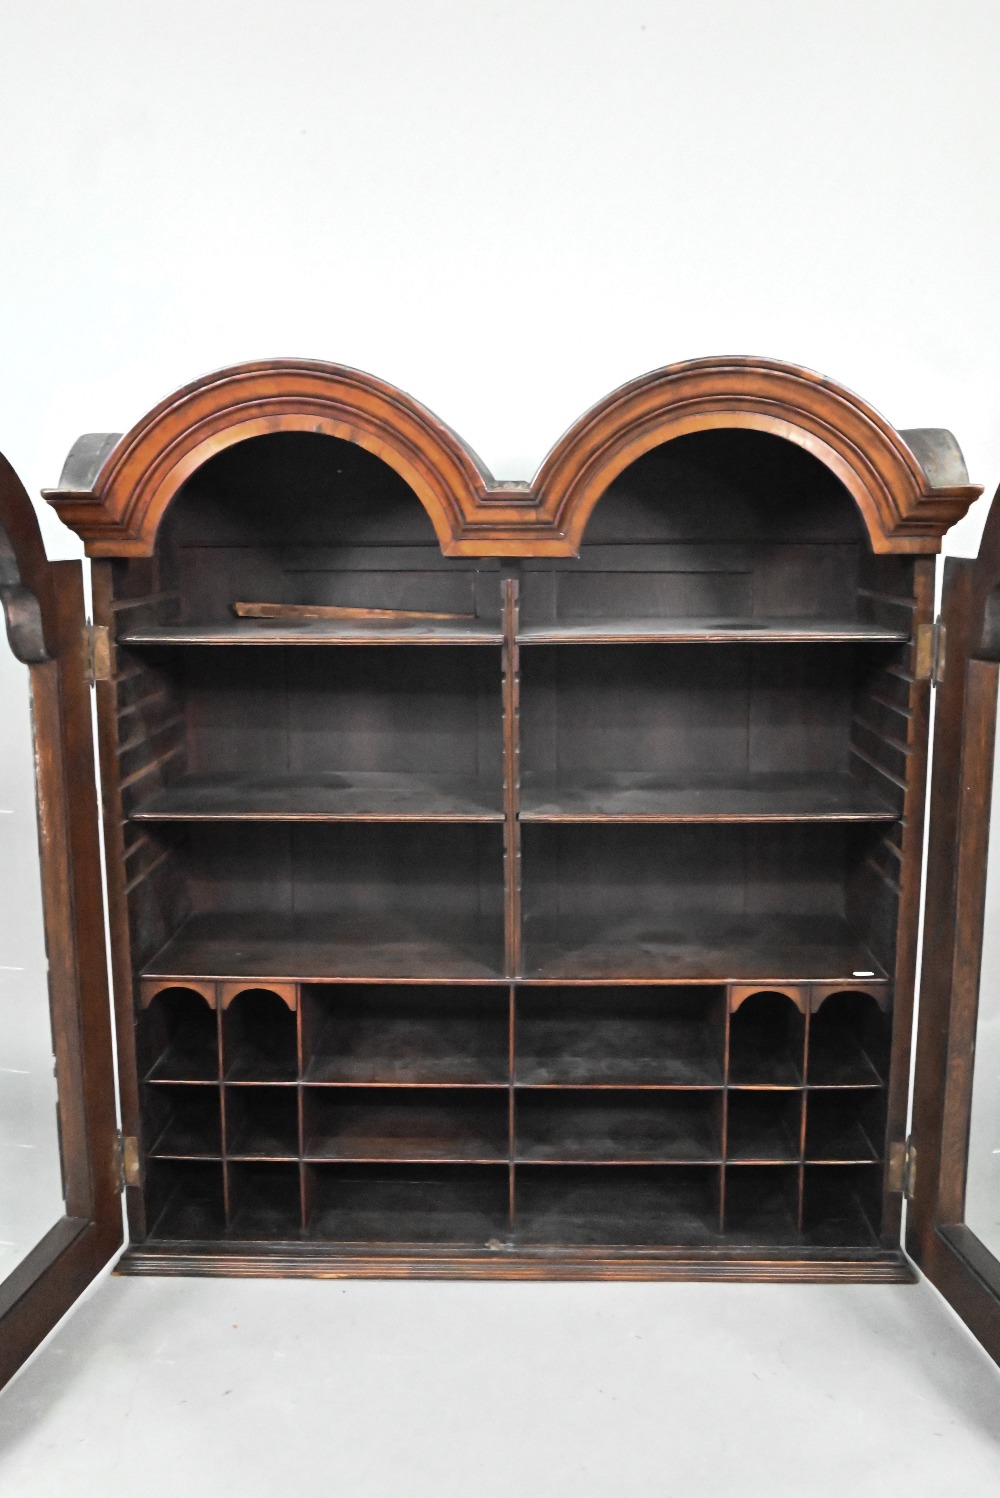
567, 918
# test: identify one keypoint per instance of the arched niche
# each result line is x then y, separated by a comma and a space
908, 487
115, 490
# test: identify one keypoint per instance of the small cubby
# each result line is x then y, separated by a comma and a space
259, 1038
767, 1041
695, 732
177, 1037
764, 1127
264, 1200
262, 1122
762, 1204
185, 1199
405, 1124
848, 1041
352, 900
705, 901
617, 1205
183, 1121
844, 1126
382, 733
407, 1035
599, 1125
406, 1204
636, 1036
841, 1205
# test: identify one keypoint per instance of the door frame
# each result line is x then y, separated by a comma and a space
951, 1256
43, 607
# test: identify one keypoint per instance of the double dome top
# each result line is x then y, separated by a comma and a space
909, 487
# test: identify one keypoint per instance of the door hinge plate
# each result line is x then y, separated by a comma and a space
127, 1169
930, 652
97, 652
903, 1167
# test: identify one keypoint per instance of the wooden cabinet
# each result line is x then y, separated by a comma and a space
514, 879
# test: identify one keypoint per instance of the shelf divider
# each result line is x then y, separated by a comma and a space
512, 775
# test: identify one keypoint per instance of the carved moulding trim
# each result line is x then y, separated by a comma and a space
118, 507
25, 599
901, 509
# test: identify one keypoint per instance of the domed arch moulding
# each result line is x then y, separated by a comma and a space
909, 487
115, 490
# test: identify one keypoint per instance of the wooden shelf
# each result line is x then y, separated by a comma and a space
262, 1123
410, 1050
332, 796
632, 797
360, 948
604, 1205
697, 631
705, 948
316, 632
408, 1204
407, 1128
565, 1128
616, 1051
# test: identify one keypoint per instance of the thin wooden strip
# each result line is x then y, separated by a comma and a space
147, 871
333, 611
154, 764
885, 878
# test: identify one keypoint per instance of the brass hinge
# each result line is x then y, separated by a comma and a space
97, 652
126, 1166
903, 1167
930, 652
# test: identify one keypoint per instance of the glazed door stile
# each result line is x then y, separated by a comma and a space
953, 1231
44, 612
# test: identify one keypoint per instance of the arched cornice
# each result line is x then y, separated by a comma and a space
902, 509
114, 493
118, 510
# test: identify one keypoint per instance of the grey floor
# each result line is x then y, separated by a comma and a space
262, 1388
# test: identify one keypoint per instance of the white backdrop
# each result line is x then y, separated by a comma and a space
507, 207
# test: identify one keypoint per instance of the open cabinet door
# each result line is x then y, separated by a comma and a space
60, 1204
954, 1216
